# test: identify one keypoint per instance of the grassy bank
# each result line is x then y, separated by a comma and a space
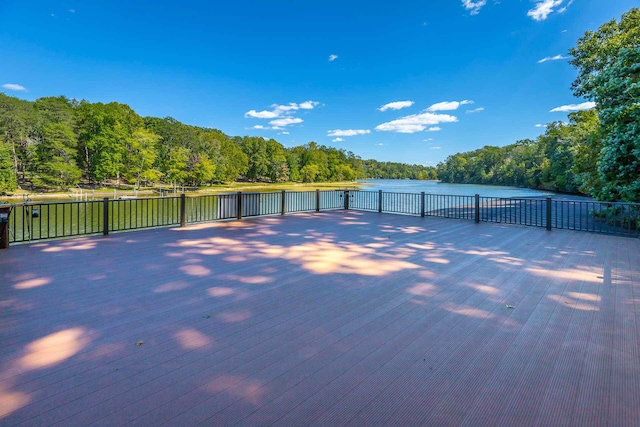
246, 187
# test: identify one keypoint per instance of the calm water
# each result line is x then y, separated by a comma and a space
434, 187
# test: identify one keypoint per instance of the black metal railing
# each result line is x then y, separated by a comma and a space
39, 221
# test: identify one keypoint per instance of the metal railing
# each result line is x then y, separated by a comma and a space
39, 221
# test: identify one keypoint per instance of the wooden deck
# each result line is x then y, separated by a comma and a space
335, 319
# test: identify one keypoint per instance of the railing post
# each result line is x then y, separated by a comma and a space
183, 210
477, 209
379, 201
105, 216
346, 199
549, 213
317, 200
239, 206
422, 204
283, 203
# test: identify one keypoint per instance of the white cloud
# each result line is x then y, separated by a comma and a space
261, 127
543, 9
434, 129
397, 105
574, 107
13, 86
308, 105
448, 105
285, 133
262, 114
281, 110
564, 9
434, 148
337, 140
286, 121
415, 122
333, 57
552, 58
348, 132
427, 140
474, 6
538, 125
475, 110
379, 144
72, 10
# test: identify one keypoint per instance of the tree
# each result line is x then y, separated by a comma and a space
104, 132
8, 182
232, 163
141, 156
55, 157
608, 62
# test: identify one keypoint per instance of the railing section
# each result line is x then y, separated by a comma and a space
38, 221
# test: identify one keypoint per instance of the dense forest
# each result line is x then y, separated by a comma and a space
597, 152
55, 143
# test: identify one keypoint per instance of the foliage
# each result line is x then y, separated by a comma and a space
558, 160
608, 62
7, 174
54, 143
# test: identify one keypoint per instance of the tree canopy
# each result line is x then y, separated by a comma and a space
55, 143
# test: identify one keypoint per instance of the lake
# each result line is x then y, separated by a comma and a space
435, 187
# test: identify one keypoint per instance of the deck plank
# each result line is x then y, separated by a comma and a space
340, 318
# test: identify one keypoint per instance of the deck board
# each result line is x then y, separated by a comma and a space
338, 318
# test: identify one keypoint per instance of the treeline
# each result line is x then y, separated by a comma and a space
598, 152
563, 159
55, 143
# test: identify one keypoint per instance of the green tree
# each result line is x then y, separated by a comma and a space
8, 182
232, 163
141, 156
104, 132
608, 63
55, 157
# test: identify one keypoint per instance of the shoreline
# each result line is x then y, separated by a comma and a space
155, 192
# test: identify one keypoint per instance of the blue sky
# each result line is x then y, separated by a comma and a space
408, 81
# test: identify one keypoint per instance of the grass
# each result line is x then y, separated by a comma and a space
19, 195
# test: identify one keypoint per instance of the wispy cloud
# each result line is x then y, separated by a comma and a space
285, 133
574, 107
397, 105
13, 86
333, 57
281, 110
415, 122
448, 105
475, 110
286, 121
427, 140
72, 10
538, 125
552, 58
474, 6
434, 129
261, 127
379, 144
434, 148
337, 140
262, 114
544, 8
564, 9
348, 132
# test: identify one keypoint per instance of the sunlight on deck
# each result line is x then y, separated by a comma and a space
33, 283
54, 348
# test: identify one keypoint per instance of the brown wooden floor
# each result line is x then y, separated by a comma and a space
339, 318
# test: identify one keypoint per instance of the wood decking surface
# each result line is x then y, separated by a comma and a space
335, 319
